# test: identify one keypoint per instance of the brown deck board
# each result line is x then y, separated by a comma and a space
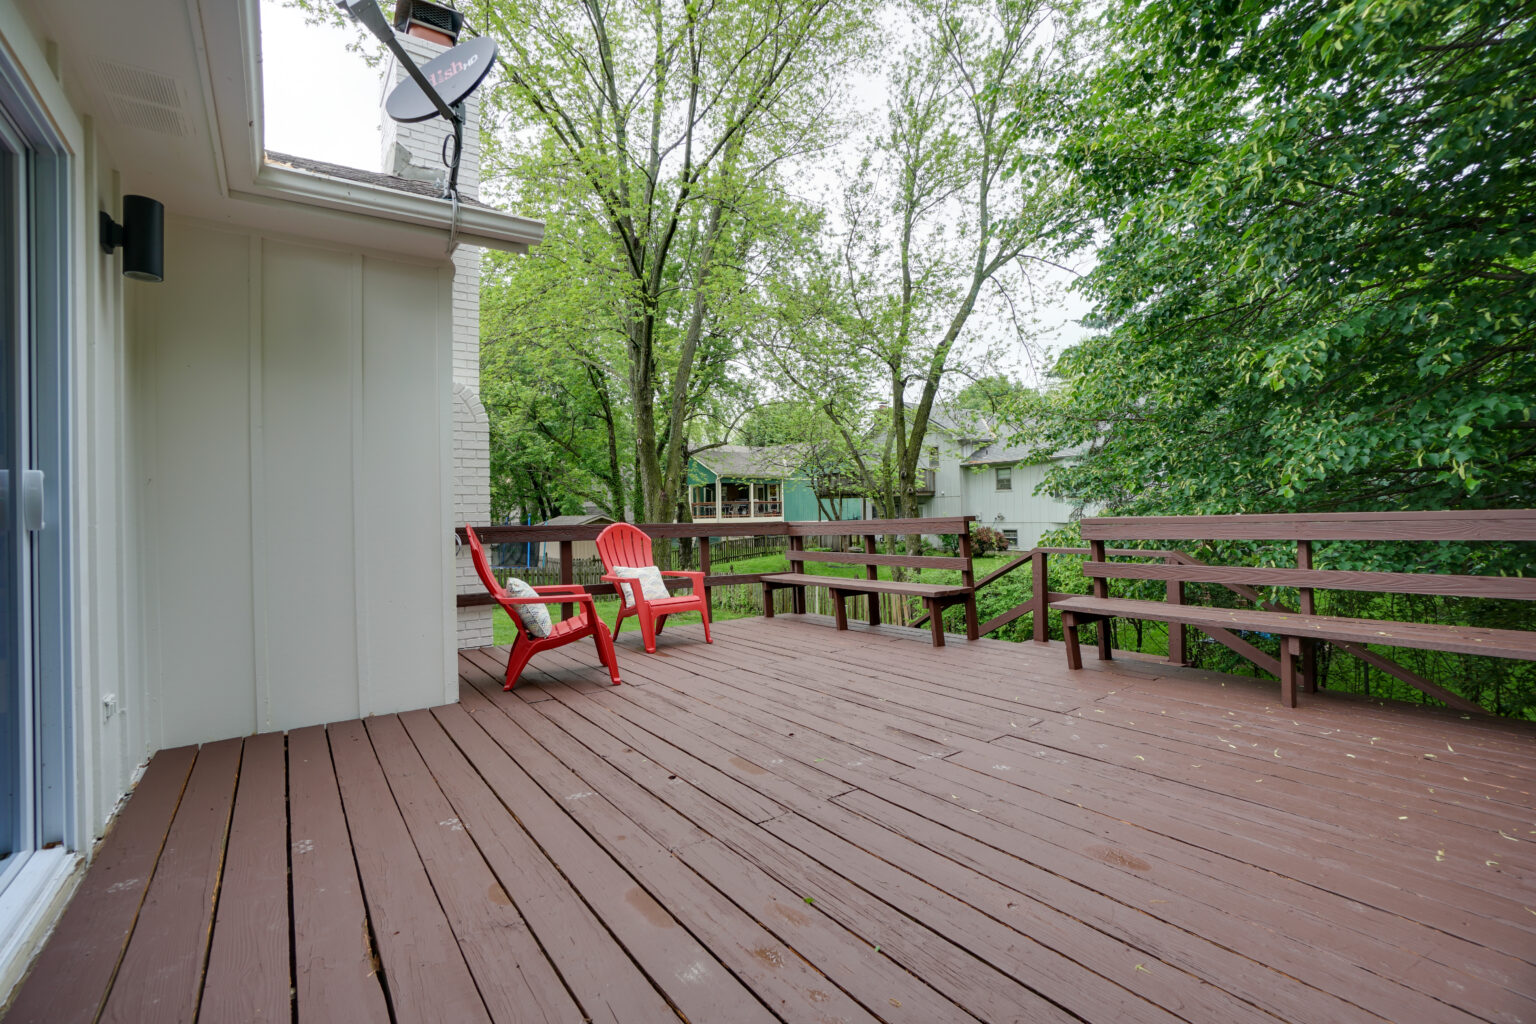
248, 965
773, 970
1076, 856
1246, 829
800, 824
70, 979
165, 956
423, 968
335, 975
607, 984
677, 963
515, 979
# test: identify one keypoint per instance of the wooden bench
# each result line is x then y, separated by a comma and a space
1300, 630
935, 596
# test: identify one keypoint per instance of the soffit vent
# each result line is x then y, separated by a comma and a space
142, 98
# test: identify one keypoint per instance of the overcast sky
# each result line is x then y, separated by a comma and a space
322, 101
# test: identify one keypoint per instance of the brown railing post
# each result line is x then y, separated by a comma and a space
1101, 589
1176, 634
968, 578
709, 592
797, 594
567, 575
872, 572
1041, 598
1308, 606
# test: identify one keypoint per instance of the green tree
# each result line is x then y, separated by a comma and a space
932, 220
1318, 288
993, 395
560, 432
662, 126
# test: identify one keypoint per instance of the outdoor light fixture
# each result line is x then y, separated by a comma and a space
141, 236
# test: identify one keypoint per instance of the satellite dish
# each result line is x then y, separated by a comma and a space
454, 74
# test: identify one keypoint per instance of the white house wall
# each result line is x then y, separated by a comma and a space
294, 439
972, 491
1018, 509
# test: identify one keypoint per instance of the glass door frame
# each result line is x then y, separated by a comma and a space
35, 302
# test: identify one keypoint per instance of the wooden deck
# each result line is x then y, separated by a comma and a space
796, 824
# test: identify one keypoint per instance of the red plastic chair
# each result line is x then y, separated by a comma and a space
570, 630
622, 546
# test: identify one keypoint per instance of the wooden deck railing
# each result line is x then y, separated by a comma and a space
565, 538
1175, 567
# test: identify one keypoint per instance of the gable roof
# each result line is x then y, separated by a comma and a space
584, 519
998, 453
772, 461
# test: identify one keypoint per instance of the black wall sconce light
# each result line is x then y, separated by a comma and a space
141, 235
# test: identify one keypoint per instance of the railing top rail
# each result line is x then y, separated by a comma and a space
551, 534
806, 528
1489, 524
880, 527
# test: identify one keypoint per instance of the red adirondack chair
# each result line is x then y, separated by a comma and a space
570, 630
624, 546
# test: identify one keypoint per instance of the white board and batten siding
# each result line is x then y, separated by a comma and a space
296, 485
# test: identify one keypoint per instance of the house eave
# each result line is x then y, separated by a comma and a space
476, 225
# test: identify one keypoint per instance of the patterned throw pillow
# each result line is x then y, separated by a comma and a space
651, 583
535, 616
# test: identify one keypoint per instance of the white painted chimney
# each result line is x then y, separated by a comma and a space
415, 151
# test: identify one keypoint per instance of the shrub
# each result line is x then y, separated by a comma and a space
985, 540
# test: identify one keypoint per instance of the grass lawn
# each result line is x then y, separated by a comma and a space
608, 607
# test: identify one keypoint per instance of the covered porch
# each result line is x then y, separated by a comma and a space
799, 824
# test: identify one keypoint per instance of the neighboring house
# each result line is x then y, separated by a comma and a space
581, 550
229, 496
972, 471
739, 484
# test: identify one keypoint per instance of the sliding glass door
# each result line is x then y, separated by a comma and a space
16, 740
36, 789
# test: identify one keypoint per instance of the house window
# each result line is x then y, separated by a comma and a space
1004, 476
1012, 537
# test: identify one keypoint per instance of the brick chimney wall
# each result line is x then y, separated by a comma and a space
416, 151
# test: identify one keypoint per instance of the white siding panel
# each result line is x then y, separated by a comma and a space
403, 527
311, 348
194, 333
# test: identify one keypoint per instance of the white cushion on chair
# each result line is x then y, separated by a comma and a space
535, 616
651, 584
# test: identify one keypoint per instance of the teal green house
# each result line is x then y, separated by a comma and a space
738, 484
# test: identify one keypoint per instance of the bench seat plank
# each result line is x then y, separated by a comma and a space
1502, 643
848, 583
